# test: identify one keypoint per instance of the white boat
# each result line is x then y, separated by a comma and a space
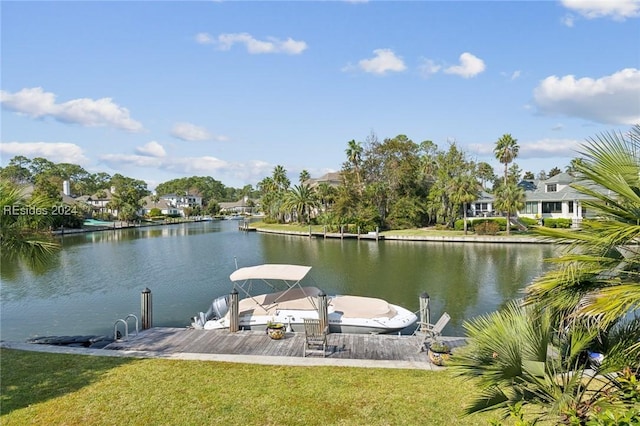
293, 303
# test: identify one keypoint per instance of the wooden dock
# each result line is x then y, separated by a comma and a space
388, 347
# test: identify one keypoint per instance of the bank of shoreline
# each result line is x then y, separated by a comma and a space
389, 235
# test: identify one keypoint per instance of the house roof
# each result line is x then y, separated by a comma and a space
332, 178
150, 204
537, 190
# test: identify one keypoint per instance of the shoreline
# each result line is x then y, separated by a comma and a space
388, 235
118, 225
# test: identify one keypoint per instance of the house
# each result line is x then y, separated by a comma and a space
182, 201
483, 206
242, 206
163, 205
99, 201
554, 198
332, 178
549, 198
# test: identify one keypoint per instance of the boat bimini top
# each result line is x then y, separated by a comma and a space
291, 275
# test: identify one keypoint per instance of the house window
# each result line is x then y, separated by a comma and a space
570, 206
552, 187
481, 207
531, 207
552, 207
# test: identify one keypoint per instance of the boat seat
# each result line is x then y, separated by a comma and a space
315, 337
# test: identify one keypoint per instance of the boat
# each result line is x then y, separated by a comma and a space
289, 303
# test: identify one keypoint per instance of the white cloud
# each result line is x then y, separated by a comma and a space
470, 66
191, 132
253, 45
568, 20
543, 148
428, 67
204, 38
250, 171
116, 161
383, 61
151, 149
58, 152
592, 9
37, 103
611, 99
549, 148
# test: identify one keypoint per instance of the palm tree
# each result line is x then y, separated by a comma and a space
326, 193
280, 178
598, 277
354, 156
519, 359
506, 151
509, 198
301, 199
304, 176
467, 190
24, 226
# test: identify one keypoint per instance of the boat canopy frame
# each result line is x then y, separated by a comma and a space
290, 275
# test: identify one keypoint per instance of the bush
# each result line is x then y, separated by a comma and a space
528, 222
487, 227
558, 223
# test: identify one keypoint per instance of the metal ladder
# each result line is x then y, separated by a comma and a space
124, 321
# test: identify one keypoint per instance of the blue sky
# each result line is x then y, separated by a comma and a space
161, 90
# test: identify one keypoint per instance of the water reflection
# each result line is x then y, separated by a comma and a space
97, 278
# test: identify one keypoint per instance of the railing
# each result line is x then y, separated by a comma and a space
124, 321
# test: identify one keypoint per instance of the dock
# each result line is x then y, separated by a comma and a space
341, 346
256, 347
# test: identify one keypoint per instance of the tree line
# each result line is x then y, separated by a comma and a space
390, 184
398, 184
47, 179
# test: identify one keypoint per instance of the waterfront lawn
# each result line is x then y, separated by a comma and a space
41, 388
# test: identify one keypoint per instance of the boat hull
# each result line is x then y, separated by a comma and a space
337, 323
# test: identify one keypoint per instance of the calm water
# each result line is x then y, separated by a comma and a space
98, 277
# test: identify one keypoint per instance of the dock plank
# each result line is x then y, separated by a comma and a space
345, 346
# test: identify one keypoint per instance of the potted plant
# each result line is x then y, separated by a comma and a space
439, 352
275, 330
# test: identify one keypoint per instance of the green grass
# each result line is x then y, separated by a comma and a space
41, 388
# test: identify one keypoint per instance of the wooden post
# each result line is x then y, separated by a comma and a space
324, 231
424, 308
358, 232
377, 232
234, 314
146, 308
309, 231
323, 312
341, 231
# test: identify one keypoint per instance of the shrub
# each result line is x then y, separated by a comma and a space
528, 222
487, 227
558, 223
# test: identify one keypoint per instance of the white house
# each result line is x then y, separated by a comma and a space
163, 205
554, 198
182, 201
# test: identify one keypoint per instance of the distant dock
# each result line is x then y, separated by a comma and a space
375, 236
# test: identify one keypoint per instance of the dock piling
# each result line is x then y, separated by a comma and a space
323, 312
234, 312
146, 308
424, 308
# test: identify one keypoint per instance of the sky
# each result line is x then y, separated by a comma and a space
158, 90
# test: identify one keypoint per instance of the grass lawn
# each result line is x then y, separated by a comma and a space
41, 388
